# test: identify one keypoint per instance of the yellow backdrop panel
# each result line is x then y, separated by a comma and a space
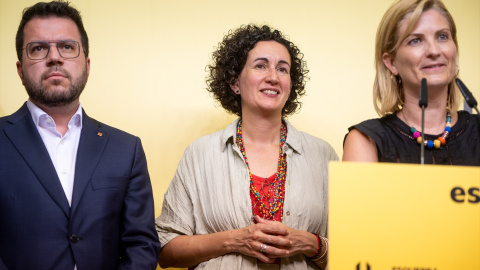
404, 216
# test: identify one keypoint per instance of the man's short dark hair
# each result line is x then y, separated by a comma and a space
61, 9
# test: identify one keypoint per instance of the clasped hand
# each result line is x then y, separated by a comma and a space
268, 240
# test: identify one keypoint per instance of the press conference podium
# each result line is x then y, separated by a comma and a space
403, 217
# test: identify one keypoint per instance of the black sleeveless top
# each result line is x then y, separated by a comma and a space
395, 141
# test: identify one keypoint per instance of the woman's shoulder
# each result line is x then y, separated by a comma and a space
311, 139
306, 141
380, 130
216, 141
467, 116
467, 123
377, 125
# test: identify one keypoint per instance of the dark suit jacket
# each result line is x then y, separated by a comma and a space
110, 224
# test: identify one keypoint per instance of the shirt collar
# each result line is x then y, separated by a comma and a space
37, 113
293, 136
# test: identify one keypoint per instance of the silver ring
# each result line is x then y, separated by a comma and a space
263, 248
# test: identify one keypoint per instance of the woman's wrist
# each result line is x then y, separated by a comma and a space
230, 242
323, 256
308, 243
319, 248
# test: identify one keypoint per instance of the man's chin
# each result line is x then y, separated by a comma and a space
56, 88
53, 102
55, 97
52, 95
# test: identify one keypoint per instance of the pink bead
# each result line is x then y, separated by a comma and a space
416, 134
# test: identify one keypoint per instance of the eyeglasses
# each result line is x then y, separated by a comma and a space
38, 50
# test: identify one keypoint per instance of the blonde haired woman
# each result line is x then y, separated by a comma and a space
416, 39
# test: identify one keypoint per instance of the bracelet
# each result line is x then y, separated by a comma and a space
319, 248
324, 256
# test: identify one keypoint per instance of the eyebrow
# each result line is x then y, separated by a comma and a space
266, 60
438, 31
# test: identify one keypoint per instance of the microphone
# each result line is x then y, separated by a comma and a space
467, 95
423, 103
423, 97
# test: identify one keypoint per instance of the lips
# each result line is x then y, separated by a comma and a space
55, 75
433, 66
270, 91
55, 72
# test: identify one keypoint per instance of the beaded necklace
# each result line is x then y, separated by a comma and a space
440, 140
275, 204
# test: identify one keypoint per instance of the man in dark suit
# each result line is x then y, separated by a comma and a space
74, 193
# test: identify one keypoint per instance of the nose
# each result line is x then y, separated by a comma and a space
433, 49
272, 76
53, 57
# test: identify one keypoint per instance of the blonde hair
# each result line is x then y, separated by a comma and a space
387, 89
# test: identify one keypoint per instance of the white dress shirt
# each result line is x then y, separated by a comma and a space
62, 149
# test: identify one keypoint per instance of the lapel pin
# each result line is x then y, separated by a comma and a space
100, 134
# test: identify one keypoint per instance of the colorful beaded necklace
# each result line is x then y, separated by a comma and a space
438, 142
275, 203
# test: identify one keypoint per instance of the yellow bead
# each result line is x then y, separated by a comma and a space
419, 140
437, 144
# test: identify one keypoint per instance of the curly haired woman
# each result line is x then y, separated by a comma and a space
254, 195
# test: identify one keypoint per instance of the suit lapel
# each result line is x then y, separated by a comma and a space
90, 148
25, 137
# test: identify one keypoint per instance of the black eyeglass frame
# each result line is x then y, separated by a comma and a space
56, 45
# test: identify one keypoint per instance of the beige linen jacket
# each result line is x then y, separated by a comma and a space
210, 193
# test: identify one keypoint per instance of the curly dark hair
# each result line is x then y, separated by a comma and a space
58, 8
231, 56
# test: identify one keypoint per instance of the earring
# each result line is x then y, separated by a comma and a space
396, 79
238, 91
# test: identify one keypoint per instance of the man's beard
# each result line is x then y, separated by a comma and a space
55, 98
